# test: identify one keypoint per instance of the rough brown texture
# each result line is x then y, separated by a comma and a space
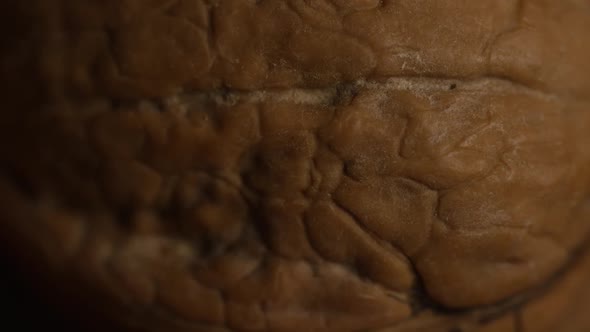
301, 165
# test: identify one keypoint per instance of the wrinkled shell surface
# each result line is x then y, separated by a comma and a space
304, 165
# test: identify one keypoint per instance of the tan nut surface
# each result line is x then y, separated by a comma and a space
292, 165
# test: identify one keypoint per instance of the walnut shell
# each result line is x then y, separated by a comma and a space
293, 165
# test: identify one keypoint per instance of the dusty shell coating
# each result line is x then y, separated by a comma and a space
238, 164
